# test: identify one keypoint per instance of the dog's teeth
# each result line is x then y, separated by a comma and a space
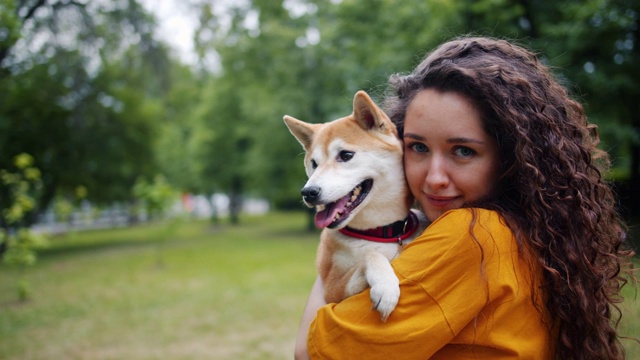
319, 207
356, 192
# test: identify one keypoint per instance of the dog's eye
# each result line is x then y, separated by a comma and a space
314, 164
345, 155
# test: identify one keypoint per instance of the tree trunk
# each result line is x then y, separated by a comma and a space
215, 219
235, 201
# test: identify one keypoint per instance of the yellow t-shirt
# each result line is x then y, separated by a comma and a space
462, 296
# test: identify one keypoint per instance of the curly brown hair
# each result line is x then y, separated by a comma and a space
551, 190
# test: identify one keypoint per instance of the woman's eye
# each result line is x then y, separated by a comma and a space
464, 151
418, 147
345, 155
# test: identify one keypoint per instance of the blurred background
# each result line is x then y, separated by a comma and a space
115, 113
106, 93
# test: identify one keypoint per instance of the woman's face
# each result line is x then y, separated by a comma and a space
449, 159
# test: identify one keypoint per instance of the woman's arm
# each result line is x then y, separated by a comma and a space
444, 275
315, 302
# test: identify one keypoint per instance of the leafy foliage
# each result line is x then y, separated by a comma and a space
91, 93
19, 243
307, 58
84, 101
156, 195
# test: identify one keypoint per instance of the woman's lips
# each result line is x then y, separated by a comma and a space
440, 201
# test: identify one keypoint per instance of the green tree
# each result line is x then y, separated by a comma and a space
175, 148
223, 143
224, 127
596, 46
82, 91
156, 197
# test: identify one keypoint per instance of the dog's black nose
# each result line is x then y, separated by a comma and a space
310, 193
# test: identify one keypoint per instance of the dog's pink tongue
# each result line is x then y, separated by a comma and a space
325, 217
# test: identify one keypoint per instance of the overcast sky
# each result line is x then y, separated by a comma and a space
176, 23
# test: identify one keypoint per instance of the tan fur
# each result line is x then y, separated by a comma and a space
348, 265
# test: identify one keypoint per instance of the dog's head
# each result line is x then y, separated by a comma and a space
348, 160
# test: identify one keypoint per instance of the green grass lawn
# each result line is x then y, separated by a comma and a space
205, 292
191, 291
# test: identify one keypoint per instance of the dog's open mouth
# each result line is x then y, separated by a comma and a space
332, 214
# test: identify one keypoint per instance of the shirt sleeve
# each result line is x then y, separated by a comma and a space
443, 286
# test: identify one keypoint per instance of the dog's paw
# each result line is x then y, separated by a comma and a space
385, 299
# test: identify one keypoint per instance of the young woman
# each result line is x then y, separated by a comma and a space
523, 257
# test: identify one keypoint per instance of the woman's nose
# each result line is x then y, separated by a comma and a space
437, 176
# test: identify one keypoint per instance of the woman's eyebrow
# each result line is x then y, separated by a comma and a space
456, 140
414, 136
464, 140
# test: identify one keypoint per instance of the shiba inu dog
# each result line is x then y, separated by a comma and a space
357, 186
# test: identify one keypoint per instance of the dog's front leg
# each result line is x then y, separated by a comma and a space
385, 287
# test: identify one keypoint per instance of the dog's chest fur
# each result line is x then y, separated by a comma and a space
347, 251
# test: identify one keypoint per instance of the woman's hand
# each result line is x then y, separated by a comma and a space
315, 302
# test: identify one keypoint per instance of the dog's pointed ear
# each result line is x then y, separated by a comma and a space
302, 131
369, 116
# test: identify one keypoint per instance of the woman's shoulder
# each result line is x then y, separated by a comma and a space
465, 221
457, 242
461, 227
469, 214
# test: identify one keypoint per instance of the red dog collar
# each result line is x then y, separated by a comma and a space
396, 232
